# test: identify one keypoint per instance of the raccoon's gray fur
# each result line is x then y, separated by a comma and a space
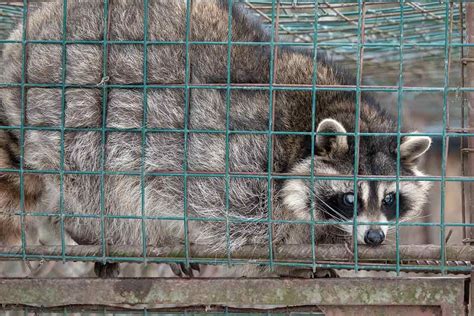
166, 109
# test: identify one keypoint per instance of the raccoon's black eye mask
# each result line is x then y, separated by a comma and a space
389, 206
341, 206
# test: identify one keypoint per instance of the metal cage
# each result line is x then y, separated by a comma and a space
363, 36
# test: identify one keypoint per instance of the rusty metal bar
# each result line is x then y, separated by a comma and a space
463, 127
197, 310
282, 253
469, 82
447, 293
467, 67
389, 310
255, 86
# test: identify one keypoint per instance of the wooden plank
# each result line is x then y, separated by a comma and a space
445, 292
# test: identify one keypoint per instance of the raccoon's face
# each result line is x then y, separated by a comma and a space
335, 199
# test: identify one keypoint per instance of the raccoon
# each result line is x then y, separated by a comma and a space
147, 153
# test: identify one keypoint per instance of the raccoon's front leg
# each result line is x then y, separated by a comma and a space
10, 203
107, 270
49, 233
180, 269
10, 232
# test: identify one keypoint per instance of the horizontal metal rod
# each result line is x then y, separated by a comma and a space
449, 132
446, 292
255, 252
327, 42
231, 219
254, 175
241, 86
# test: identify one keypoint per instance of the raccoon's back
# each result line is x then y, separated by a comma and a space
125, 108
120, 62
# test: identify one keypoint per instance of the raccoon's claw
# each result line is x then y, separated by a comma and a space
175, 269
187, 271
182, 271
195, 266
108, 270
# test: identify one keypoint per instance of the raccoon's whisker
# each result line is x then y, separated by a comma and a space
341, 217
332, 216
415, 217
333, 209
327, 205
335, 218
337, 226
338, 235
403, 220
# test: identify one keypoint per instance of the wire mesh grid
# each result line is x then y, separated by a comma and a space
10, 15
423, 25
361, 30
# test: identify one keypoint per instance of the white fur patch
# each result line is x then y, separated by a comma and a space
295, 197
296, 192
363, 192
415, 191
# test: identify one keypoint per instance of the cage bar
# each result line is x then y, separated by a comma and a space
468, 162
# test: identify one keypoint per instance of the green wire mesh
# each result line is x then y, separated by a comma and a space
395, 35
10, 15
423, 40
423, 25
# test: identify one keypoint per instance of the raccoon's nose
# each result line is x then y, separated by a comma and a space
374, 237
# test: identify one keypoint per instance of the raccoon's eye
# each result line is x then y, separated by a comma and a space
348, 199
389, 199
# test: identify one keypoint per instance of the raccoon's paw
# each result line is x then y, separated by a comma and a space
309, 274
180, 269
298, 273
325, 273
108, 270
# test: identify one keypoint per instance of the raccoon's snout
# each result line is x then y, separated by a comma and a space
374, 237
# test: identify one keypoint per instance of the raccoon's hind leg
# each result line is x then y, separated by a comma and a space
10, 233
107, 270
9, 199
11, 192
285, 272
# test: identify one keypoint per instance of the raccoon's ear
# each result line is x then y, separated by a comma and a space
413, 147
331, 144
